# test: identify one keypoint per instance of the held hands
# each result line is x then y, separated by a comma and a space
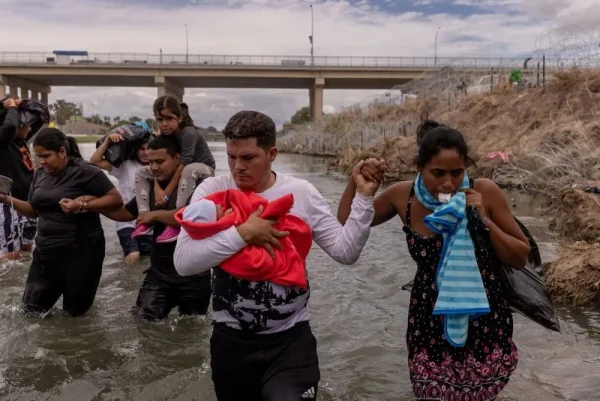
70, 205
368, 175
160, 196
146, 218
257, 231
77, 205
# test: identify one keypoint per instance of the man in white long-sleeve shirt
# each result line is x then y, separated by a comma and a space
262, 347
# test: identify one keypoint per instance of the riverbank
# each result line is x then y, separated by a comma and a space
538, 140
550, 135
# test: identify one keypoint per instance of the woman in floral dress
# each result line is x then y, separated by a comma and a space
480, 368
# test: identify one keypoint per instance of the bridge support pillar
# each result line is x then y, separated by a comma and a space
316, 100
3, 91
35, 95
13, 91
25, 85
44, 98
167, 86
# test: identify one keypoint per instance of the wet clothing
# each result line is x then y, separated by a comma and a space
439, 371
70, 248
270, 367
75, 277
262, 348
125, 173
59, 230
163, 289
15, 230
262, 306
15, 159
142, 244
15, 163
158, 296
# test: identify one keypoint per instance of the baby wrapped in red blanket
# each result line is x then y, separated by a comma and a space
222, 210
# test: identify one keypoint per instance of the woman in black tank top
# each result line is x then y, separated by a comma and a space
479, 369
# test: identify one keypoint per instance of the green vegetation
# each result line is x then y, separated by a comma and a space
301, 116
87, 138
64, 112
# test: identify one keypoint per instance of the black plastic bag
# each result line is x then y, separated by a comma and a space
525, 288
135, 134
32, 113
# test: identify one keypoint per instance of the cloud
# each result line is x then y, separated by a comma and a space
276, 27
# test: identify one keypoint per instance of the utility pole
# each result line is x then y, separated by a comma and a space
312, 35
186, 45
435, 46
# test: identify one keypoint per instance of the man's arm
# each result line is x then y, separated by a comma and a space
158, 216
98, 156
344, 243
199, 256
8, 129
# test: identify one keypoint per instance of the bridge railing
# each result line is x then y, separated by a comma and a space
237, 61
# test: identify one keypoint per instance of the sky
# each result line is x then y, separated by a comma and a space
470, 28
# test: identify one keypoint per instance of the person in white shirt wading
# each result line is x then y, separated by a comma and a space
133, 248
262, 347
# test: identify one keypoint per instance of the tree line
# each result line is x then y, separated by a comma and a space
63, 112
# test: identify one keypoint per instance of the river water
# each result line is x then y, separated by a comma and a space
359, 316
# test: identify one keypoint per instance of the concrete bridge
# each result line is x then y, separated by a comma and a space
28, 74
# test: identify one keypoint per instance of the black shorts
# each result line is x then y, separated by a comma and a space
158, 296
265, 367
75, 277
141, 244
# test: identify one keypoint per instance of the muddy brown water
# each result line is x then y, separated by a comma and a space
359, 316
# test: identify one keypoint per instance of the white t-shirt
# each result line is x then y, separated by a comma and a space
265, 307
125, 173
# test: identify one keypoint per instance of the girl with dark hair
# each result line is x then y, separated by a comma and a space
69, 251
458, 231
197, 163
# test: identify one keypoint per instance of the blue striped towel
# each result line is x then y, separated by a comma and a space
461, 294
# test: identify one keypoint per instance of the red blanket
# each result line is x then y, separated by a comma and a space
253, 263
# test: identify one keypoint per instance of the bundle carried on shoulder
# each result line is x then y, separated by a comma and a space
134, 135
31, 113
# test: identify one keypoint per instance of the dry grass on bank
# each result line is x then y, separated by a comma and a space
552, 134
575, 214
574, 277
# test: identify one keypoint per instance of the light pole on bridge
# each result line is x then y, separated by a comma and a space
435, 46
187, 52
312, 35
